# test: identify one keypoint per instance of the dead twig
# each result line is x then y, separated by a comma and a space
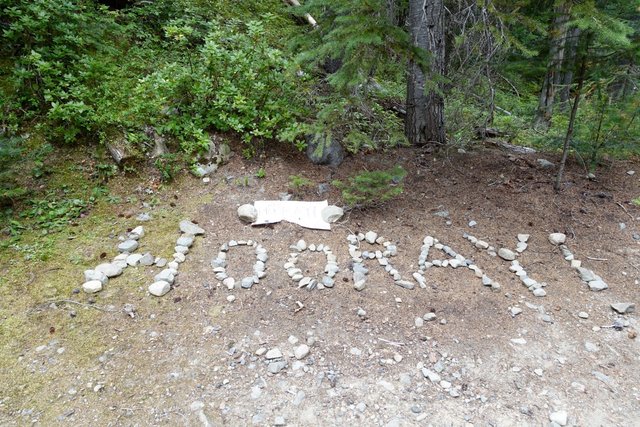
597, 259
68, 301
625, 210
396, 344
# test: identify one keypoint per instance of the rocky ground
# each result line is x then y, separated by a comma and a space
470, 342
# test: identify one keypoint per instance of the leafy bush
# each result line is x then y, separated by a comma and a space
368, 189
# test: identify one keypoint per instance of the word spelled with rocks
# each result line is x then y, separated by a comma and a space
98, 277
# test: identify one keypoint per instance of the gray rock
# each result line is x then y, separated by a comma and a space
144, 217
586, 274
405, 284
275, 367
92, 286
521, 247
200, 170
524, 238
109, 269
331, 214
189, 227
90, 275
506, 254
181, 250
324, 150
429, 317
515, 311
274, 353
165, 276
128, 246
472, 224
583, 315
624, 307
134, 259
557, 238
432, 376
279, 421
185, 240
247, 213
419, 322
598, 285
159, 288
247, 282
148, 259
545, 164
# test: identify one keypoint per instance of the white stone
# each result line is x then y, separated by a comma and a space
109, 269
557, 238
95, 275
128, 246
159, 288
559, 417
229, 282
524, 238
331, 214
371, 236
138, 231
274, 353
301, 351
506, 254
247, 213
539, 292
92, 286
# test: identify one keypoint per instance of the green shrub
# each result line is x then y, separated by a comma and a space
368, 189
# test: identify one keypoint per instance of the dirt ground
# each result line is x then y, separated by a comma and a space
190, 357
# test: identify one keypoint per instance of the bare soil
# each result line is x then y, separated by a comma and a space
189, 358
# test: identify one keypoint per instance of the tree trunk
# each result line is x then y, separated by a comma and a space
572, 117
566, 74
557, 39
424, 124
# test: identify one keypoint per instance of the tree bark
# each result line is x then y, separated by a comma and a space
424, 125
557, 40
572, 117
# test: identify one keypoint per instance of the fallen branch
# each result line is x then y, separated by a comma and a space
309, 18
597, 259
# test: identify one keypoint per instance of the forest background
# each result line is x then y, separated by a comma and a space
133, 84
